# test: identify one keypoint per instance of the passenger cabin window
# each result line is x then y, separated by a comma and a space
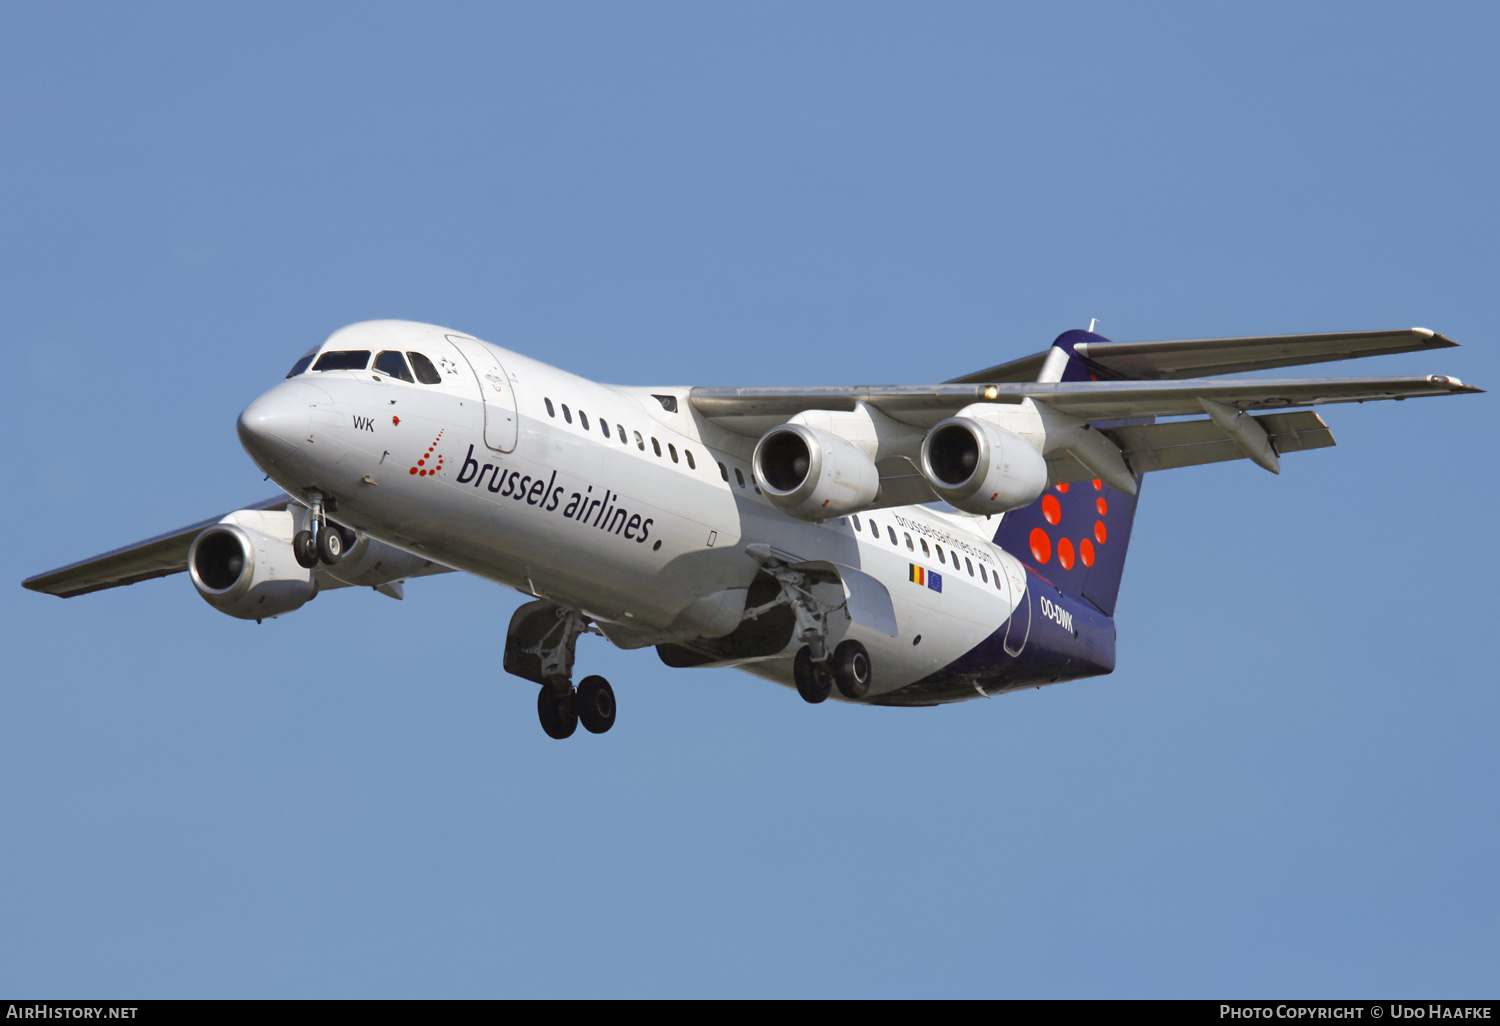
689, 454
925, 550
724, 473
982, 575
394, 364
621, 429
640, 443
656, 446
427, 374
875, 529
673, 450
343, 359
940, 555
892, 532
567, 413
969, 563
909, 546
550, 411
604, 426
740, 478
857, 525
583, 418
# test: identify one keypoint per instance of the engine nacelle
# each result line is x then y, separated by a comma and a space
244, 566
981, 468
813, 475
371, 563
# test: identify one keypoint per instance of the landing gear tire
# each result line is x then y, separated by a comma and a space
814, 682
330, 545
558, 714
304, 549
595, 704
851, 669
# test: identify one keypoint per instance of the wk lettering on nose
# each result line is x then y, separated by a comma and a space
364, 424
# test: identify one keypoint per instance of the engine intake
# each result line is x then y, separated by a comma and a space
981, 468
247, 569
813, 475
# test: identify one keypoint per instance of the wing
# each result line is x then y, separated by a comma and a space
752, 411
167, 554
161, 556
1199, 357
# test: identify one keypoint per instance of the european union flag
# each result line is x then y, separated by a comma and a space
934, 580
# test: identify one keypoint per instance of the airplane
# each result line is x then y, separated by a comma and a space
907, 545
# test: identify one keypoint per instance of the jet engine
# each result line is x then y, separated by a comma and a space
981, 468
813, 475
244, 566
371, 563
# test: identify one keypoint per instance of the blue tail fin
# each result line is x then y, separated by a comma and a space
1076, 534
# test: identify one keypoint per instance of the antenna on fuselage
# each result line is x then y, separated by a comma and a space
1092, 321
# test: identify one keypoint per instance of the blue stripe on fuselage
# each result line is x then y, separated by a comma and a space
1052, 652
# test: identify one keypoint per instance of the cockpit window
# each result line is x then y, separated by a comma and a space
344, 359
427, 374
392, 363
300, 366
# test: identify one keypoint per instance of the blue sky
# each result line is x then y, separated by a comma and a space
1288, 787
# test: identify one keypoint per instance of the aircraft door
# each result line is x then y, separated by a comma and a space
1018, 627
495, 389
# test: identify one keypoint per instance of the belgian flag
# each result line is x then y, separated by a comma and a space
918, 575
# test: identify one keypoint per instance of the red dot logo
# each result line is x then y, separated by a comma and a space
1101, 505
1098, 485
1051, 510
1101, 533
1065, 553
422, 463
1041, 546
1086, 552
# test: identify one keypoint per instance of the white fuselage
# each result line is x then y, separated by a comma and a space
602, 499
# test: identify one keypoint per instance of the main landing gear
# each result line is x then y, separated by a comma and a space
848, 670
815, 670
320, 541
561, 709
539, 646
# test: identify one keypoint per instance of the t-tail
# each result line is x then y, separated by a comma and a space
1076, 534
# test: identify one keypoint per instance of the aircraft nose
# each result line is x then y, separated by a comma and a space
274, 426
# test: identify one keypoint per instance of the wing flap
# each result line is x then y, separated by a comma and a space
161, 556
1190, 443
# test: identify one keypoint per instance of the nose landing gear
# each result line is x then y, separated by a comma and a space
326, 545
